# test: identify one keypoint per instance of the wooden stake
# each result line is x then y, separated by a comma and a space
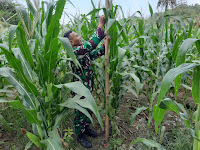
106, 77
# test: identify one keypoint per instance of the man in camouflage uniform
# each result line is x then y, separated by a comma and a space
85, 53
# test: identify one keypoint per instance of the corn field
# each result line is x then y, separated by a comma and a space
150, 62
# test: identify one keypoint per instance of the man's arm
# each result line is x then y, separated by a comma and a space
97, 36
97, 53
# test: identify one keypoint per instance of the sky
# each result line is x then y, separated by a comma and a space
128, 6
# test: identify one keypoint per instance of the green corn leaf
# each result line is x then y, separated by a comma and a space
121, 54
93, 4
149, 143
181, 58
28, 145
109, 23
196, 85
49, 12
50, 61
158, 115
80, 89
26, 67
34, 139
77, 103
31, 116
136, 79
60, 116
130, 89
16, 104
53, 28
151, 10
184, 114
66, 44
9, 75
171, 75
176, 47
93, 12
168, 104
53, 142
21, 39
12, 31
137, 82
16, 64
138, 111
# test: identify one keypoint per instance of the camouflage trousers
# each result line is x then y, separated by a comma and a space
81, 121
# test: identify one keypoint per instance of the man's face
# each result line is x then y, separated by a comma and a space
75, 39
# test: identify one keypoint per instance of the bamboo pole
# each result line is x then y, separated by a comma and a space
106, 77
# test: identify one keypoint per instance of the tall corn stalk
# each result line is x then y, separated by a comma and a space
106, 77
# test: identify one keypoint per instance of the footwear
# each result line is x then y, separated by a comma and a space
90, 132
84, 141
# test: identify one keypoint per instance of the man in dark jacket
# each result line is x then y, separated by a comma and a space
85, 53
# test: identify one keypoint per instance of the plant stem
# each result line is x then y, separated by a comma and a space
106, 77
196, 145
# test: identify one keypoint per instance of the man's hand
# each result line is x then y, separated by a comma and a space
102, 21
107, 37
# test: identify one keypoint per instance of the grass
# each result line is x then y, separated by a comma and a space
13, 138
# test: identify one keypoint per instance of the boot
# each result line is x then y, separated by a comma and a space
84, 141
90, 132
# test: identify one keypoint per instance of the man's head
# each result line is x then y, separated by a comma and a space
74, 38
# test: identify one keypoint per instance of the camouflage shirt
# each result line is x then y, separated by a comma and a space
85, 54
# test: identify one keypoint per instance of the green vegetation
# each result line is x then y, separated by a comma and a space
186, 11
8, 14
153, 69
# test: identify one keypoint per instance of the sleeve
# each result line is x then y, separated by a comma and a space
90, 45
97, 36
97, 53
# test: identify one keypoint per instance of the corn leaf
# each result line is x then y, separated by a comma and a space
31, 116
121, 54
16, 64
34, 139
12, 31
109, 24
149, 143
158, 115
137, 111
181, 58
53, 142
9, 75
66, 44
21, 39
50, 61
26, 67
53, 28
168, 104
196, 85
77, 103
80, 89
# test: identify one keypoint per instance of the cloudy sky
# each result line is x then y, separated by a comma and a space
128, 6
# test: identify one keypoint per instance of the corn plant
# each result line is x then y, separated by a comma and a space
176, 74
34, 71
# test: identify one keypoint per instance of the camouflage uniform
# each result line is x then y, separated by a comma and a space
85, 54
